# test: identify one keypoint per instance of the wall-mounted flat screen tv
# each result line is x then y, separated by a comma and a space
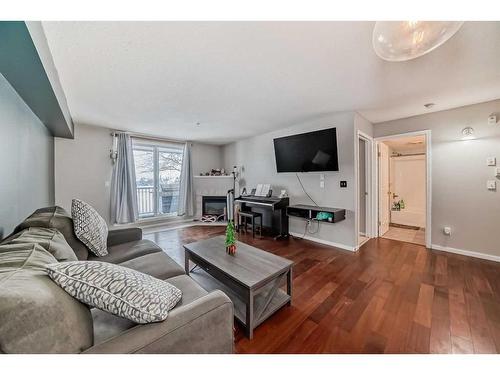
308, 152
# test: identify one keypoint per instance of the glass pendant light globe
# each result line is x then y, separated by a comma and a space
406, 40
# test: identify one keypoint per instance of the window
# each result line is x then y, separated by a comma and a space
158, 173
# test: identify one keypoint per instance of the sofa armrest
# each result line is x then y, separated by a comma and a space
118, 236
202, 326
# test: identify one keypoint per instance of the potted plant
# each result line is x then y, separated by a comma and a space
230, 238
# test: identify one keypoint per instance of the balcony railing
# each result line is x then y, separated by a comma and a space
167, 200
146, 200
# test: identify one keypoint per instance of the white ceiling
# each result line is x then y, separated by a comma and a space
243, 78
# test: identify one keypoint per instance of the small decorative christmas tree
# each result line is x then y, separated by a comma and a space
230, 238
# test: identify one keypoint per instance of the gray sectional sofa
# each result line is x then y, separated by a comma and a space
36, 316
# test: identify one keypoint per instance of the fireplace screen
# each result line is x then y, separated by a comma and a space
214, 207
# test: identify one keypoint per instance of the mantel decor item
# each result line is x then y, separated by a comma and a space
215, 172
230, 238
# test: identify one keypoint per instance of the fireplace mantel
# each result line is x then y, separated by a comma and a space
213, 176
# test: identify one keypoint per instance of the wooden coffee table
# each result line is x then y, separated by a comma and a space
252, 278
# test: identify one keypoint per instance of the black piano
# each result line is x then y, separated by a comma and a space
273, 210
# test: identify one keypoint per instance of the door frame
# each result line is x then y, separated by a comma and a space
380, 194
370, 230
428, 174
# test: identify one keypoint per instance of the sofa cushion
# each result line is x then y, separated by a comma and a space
125, 251
121, 291
90, 227
191, 290
54, 217
107, 325
158, 265
36, 315
50, 239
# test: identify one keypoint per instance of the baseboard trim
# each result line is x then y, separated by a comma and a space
324, 242
469, 253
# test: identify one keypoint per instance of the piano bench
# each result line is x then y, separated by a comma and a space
244, 216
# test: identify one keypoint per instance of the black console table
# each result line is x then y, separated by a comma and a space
307, 212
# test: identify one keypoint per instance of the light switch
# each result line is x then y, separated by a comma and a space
322, 184
491, 161
492, 185
322, 176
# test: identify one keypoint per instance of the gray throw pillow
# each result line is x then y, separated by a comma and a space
50, 239
118, 290
90, 227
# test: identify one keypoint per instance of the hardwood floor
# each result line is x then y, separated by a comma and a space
389, 297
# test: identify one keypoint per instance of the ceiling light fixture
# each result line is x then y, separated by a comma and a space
467, 133
407, 40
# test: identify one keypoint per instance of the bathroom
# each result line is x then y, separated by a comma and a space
404, 184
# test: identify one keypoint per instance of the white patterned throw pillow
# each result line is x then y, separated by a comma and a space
90, 227
118, 290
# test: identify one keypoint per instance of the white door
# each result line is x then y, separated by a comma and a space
363, 194
384, 189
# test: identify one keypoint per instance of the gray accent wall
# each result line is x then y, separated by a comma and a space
44, 53
26, 62
256, 156
459, 174
27, 158
83, 168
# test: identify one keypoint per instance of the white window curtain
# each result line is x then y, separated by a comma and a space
186, 193
123, 184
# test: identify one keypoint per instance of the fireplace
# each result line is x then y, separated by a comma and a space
214, 208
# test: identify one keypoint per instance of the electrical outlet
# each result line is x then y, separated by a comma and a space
491, 185
491, 161
343, 184
447, 231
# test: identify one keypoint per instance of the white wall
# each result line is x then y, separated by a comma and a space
83, 168
363, 125
459, 174
27, 158
408, 177
256, 156
206, 157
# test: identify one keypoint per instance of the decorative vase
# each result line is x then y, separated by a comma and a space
231, 250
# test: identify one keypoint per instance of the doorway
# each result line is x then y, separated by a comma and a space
403, 184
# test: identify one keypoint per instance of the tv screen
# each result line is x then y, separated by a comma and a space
308, 152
